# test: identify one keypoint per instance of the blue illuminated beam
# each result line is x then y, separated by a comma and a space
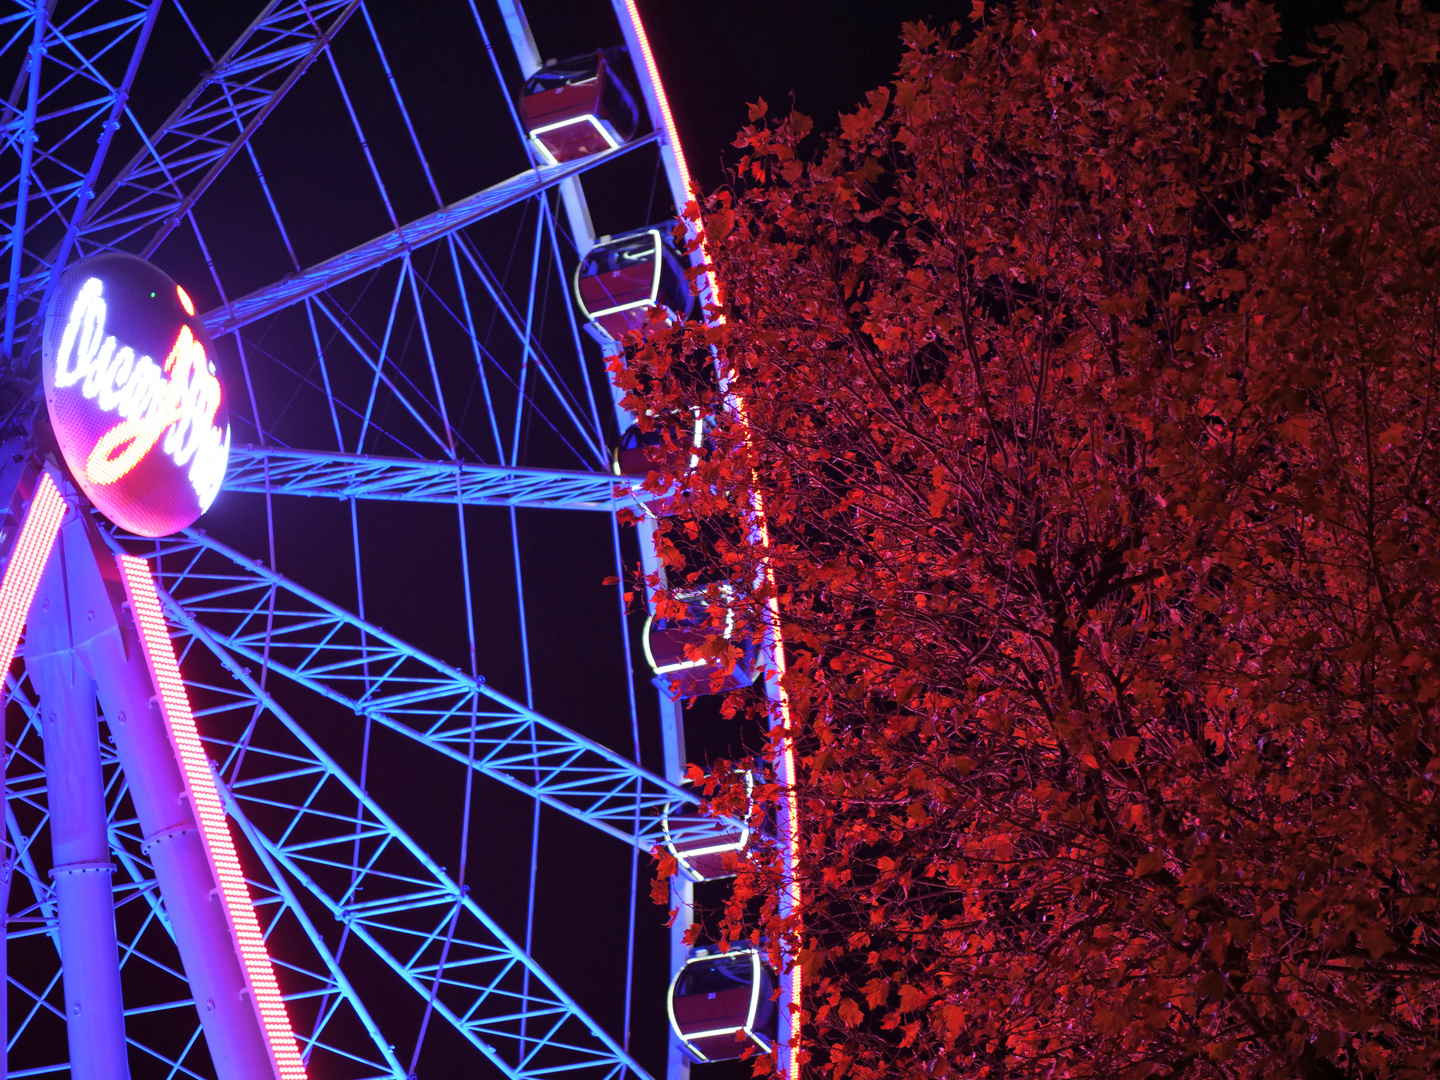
181, 158
56, 130
349, 476
254, 613
151, 193
147, 944
373, 878
416, 234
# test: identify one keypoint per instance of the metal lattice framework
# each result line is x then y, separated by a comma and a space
242, 611
404, 336
350, 476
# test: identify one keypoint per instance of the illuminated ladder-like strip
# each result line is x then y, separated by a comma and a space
22, 576
239, 911
787, 740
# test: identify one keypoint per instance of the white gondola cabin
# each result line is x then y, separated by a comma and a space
721, 1003
578, 107
639, 452
622, 277
704, 847
682, 676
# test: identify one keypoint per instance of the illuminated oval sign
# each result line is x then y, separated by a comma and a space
134, 395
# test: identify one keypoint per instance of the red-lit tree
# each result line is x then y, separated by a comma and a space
1093, 402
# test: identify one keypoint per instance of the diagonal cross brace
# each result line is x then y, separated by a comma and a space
68, 98
373, 673
391, 245
539, 1028
182, 157
327, 474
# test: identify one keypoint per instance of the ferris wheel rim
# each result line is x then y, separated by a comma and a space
81, 239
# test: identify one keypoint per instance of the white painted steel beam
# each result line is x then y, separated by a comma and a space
89, 952
382, 249
255, 613
326, 474
173, 841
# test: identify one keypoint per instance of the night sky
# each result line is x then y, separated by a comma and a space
823, 55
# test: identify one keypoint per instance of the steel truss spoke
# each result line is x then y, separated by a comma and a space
143, 936
337, 990
349, 476
180, 159
312, 823
57, 128
327, 868
149, 966
256, 613
392, 245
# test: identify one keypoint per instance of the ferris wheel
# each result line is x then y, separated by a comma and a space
354, 776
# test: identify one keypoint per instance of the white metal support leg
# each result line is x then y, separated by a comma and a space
94, 1012
106, 639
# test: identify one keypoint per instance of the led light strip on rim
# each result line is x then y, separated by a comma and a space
214, 830
787, 742
672, 135
792, 799
670, 130
27, 563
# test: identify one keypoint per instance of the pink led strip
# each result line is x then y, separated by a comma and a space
787, 742
27, 563
790, 778
175, 706
672, 135
649, 57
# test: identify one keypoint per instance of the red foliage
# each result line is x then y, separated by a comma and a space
1093, 404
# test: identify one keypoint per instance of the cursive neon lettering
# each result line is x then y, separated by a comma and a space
85, 313
109, 391
173, 405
